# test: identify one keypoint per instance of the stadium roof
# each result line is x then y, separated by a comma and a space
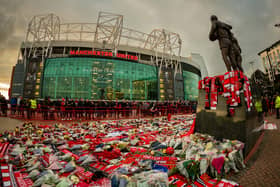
107, 30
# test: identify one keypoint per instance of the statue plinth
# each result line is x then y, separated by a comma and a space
219, 124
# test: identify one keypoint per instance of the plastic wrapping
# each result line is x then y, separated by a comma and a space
64, 182
149, 178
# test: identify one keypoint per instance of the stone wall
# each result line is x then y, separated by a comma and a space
218, 124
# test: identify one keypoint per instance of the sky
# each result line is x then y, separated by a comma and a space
252, 20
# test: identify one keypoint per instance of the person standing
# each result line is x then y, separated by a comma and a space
277, 105
62, 108
87, 109
271, 104
72, 109
22, 107
45, 108
80, 108
258, 107
33, 107
4, 105
264, 106
28, 108
52, 109
18, 105
194, 104
13, 105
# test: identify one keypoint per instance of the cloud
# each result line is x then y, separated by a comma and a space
6, 27
4, 86
252, 21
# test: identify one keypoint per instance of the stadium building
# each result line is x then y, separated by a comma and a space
103, 60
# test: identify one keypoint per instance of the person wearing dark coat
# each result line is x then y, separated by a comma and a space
264, 106
45, 108
4, 105
13, 105
80, 108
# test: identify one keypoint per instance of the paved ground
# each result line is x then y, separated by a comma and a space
11, 123
8, 123
263, 169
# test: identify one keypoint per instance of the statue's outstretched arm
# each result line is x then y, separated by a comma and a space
229, 27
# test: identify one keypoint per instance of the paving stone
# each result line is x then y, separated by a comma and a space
264, 167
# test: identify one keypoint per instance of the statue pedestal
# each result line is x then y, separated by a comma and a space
218, 124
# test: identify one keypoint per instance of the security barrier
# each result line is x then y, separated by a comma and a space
61, 113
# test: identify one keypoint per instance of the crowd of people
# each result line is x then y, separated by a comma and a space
68, 109
268, 105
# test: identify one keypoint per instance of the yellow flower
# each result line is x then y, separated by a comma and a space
39, 132
75, 179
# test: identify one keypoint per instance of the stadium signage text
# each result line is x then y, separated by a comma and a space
103, 53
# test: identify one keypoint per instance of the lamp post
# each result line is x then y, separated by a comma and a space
251, 64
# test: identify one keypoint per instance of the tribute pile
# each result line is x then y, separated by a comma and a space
229, 85
115, 153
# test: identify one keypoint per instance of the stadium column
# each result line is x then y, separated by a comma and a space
72, 88
55, 87
130, 88
114, 86
90, 88
146, 93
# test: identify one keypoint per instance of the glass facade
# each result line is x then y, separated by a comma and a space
93, 78
190, 85
110, 79
166, 84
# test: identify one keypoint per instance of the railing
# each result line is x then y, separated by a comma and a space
59, 113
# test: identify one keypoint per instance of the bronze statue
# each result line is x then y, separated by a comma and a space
236, 54
231, 51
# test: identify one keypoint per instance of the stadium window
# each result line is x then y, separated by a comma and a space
268, 57
264, 60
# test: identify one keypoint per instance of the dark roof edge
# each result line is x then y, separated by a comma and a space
267, 49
